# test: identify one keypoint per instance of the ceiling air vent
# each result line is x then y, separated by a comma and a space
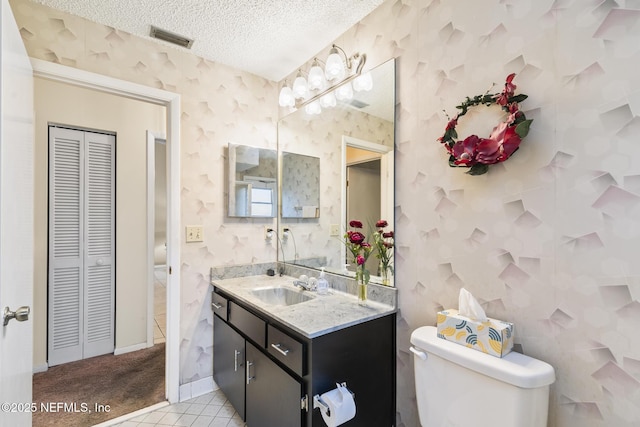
170, 37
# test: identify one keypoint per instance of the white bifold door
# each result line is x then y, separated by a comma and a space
81, 288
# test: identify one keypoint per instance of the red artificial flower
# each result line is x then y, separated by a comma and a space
452, 123
355, 223
465, 151
356, 237
382, 223
360, 260
388, 234
508, 86
388, 245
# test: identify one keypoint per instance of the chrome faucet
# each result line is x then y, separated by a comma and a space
307, 285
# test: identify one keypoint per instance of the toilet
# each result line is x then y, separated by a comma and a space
460, 387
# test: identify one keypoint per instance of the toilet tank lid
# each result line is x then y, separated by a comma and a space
514, 368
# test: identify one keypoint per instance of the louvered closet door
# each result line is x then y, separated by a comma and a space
99, 298
81, 234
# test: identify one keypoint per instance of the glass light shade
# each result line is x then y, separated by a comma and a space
344, 92
363, 82
300, 88
313, 108
328, 100
316, 78
286, 98
334, 67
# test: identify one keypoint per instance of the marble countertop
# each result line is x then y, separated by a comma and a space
318, 316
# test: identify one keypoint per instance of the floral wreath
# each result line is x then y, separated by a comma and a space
478, 153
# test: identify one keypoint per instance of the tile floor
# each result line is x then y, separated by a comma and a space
209, 410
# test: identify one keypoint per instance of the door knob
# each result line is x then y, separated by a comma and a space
21, 314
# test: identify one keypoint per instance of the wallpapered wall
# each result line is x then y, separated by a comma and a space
219, 105
548, 240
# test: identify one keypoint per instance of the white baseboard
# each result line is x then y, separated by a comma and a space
129, 349
123, 418
197, 388
40, 368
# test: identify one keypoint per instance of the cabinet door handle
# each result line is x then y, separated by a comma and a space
236, 353
281, 350
249, 377
216, 306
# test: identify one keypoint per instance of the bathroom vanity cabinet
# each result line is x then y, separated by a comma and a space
270, 371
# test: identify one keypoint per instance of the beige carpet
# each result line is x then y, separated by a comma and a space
78, 393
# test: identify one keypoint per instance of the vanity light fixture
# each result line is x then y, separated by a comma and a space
342, 75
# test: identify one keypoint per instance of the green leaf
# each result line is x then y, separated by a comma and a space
478, 169
517, 98
452, 162
523, 128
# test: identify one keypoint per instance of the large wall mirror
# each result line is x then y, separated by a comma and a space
352, 145
253, 181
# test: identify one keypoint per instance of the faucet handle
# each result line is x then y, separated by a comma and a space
313, 283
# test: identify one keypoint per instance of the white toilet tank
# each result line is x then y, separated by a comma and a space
462, 387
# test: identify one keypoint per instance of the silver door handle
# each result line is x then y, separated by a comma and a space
21, 314
236, 353
282, 350
249, 377
216, 306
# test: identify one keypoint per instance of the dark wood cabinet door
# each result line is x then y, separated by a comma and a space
229, 363
273, 396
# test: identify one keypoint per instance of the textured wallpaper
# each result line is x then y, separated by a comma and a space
219, 105
548, 240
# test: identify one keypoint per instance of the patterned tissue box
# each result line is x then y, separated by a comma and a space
493, 337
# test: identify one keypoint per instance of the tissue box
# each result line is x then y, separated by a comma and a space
493, 337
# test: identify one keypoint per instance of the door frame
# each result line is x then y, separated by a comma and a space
171, 101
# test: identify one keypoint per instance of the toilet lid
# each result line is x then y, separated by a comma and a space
514, 368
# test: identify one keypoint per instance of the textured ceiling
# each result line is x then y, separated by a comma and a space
270, 38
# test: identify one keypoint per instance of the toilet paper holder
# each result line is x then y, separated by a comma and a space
319, 403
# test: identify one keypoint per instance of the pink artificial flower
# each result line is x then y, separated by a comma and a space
388, 234
355, 223
360, 260
508, 86
499, 146
382, 223
465, 151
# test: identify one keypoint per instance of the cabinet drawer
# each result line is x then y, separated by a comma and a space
219, 305
286, 349
248, 323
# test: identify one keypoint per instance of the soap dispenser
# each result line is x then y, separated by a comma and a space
323, 284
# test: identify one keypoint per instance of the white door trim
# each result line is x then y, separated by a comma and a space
171, 101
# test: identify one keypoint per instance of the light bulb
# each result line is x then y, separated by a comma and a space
300, 88
363, 82
286, 98
334, 67
344, 92
328, 100
316, 77
313, 108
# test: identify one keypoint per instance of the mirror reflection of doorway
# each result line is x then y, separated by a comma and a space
363, 194
160, 244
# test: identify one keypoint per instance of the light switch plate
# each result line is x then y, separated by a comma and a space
335, 230
194, 233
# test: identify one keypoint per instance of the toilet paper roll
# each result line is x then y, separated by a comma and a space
342, 408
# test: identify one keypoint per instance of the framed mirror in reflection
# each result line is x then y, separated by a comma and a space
300, 187
253, 182
354, 145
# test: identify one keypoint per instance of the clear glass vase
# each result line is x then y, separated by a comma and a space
385, 271
362, 286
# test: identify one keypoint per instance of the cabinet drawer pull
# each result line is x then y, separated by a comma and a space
283, 351
249, 377
216, 306
236, 353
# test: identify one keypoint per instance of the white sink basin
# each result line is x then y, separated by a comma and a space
279, 295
